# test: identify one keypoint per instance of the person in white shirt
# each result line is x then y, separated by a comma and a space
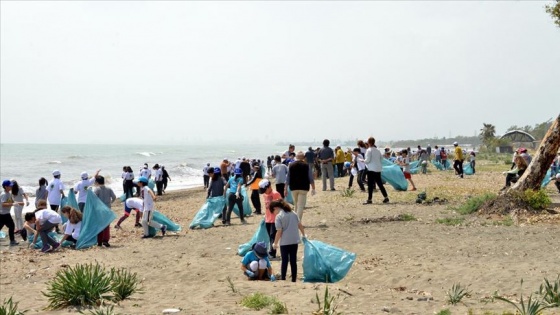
158, 178
359, 167
82, 186
45, 220
73, 225
145, 172
405, 165
373, 161
55, 190
148, 198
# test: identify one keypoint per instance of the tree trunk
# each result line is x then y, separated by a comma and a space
536, 171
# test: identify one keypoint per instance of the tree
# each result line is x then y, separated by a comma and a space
487, 134
554, 11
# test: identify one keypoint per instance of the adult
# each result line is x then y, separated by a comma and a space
5, 216
299, 180
280, 173
339, 160
55, 191
145, 172
224, 169
326, 158
18, 195
158, 178
166, 177
128, 181
82, 186
245, 166
437, 154
253, 183
513, 175
525, 155
373, 160
291, 149
310, 159
205, 176
443, 156
429, 151
360, 167
458, 160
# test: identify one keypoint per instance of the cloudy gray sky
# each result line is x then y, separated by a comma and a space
130, 72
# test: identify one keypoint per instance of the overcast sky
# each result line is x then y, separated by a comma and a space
175, 72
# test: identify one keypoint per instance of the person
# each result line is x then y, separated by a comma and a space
5, 216
280, 173
129, 205
82, 186
443, 155
458, 160
429, 151
437, 154
148, 198
41, 193
299, 180
423, 159
45, 220
205, 176
128, 181
513, 175
287, 226
166, 178
55, 191
310, 159
145, 172
245, 166
73, 225
326, 157
158, 178
107, 196
217, 184
269, 163
253, 183
233, 188
359, 167
291, 149
339, 160
523, 152
374, 164
18, 195
256, 264
265, 188
472, 161
557, 182
405, 164
224, 169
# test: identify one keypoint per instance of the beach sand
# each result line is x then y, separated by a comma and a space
400, 268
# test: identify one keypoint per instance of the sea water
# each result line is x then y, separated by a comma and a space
26, 163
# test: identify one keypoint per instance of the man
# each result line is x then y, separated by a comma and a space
339, 160
55, 190
326, 157
310, 159
145, 172
5, 216
245, 166
224, 168
458, 160
205, 175
429, 151
291, 150
82, 186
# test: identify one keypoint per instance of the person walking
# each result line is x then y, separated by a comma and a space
55, 191
205, 176
373, 161
458, 160
326, 158
166, 178
7, 204
107, 196
253, 183
233, 187
299, 180
280, 172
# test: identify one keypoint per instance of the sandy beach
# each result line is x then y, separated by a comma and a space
401, 267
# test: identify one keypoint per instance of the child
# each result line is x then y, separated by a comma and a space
472, 161
269, 195
106, 195
18, 194
73, 226
256, 265
82, 186
287, 225
234, 189
41, 193
45, 220
405, 164
253, 183
148, 198
127, 210
5, 216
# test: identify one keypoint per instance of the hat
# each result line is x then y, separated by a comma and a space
455, 143
56, 173
225, 159
263, 185
84, 175
7, 183
143, 180
259, 249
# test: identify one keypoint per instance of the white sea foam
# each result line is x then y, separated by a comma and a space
54, 162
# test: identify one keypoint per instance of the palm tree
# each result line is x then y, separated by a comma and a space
487, 134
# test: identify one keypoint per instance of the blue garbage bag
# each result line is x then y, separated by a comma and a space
151, 184
393, 174
208, 213
467, 169
438, 165
162, 219
71, 201
53, 235
415, 167
123, 196
547, 178
261, 235
97, 216
325, 263
289, 197
247, 211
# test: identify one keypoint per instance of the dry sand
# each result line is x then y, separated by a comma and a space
398, 264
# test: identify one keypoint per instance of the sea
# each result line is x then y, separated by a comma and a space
26, 163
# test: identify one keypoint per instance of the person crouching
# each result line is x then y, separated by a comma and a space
256, 265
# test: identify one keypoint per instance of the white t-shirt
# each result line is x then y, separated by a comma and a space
360, 163
81, 188
54, 189
73, 229
558, 177
146, 173
148, 200
127, 176
48, 215
158, 175
406, 162
135, 203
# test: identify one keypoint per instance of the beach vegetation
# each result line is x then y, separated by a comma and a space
530, 306
550, 291
231, 285
258, 301
474, 203
329, 304
407, 217
348, 192
537, 199
444, 312
451, 221
457, 293
108, 310
278, 307
123, 283
9, 307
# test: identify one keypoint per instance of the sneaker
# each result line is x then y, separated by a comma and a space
106, 244
224, 222
55, 246
163, 229
137, 225
368, 202
332, 189
386, 200
46, 249
228, 223
117, 227
243, 222
147, 236
13, 243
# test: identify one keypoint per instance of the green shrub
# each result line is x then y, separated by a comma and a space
278, 308
348, 192
9, 307
444, 312
551, 292
451, 221
407, 217
100, 311
537, 199
329, 305
257, 301
533, 305
456, 294
473, 204
123, 284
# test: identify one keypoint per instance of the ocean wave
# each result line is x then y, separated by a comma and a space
146, 153
54, 162
76, 157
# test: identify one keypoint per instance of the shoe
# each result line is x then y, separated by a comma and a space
137, 225
413, 189
243, 222
368, 202
46, 249
99, 244
163, 230
13, 243
106, 244
147, 236
117, 227
332, 189
386, 200
224, 222
55, 246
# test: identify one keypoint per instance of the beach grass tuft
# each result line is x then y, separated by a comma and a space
329, 305
9, 307
531, 306
550, 291
109, 310
257, 301
457, 293
474, 203
123, 283
451, 221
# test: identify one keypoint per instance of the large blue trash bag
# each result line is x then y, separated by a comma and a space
415, 167
289, 197
467, 169
261, 235
97, 216
162, 219
71, 201
39, 243
393, 174
325, 263
247, 211
151, 184
438, 165
547, 178
208, 213
123, 196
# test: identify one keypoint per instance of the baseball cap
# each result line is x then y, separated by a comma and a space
143, 180
7, 183
84, 175
455, 143
56, 173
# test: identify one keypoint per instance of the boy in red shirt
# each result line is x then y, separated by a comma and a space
265, 188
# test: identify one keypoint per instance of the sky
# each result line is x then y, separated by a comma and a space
152, 72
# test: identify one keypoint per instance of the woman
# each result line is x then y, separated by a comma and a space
166, 178
18, 194
128, 181
373, 160
253, 183
73, 226
299, 179
513, 175
287, 225
41, 193
234, 197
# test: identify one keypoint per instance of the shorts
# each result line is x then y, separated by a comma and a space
407, 175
